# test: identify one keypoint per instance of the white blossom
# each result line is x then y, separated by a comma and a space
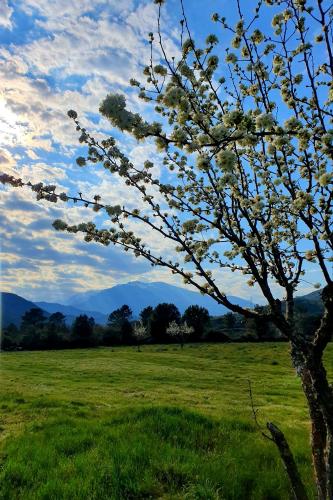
203, 161
173, 96
325, 179
265, 121
226, 159
140, 331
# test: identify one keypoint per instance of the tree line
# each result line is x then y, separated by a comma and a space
160, 325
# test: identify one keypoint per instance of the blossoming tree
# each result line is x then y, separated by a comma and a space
245, 137
140, 334
179, 332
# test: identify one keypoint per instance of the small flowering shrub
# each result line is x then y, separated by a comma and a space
179, 332
140, 333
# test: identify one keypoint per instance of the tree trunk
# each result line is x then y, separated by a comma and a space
307, 356
307, 359
329, 464
319, 397
318, 437
324, 396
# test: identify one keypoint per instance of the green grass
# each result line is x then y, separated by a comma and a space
164, 423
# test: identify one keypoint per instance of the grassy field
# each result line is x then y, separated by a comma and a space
163, 423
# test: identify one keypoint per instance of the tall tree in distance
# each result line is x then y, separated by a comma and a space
118, 316
10, 337
145, 315
230, 321
245, 131
83, 331
34, 317
32, 328
198, 318
162, 316
56, 329
120, 320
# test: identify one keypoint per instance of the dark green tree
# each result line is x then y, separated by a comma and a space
83, 331
58, 319
9, 338
56, 331
32, 329
161, 318
230, 321
33, 317
198, 318
119, 315
119, 321
145, 315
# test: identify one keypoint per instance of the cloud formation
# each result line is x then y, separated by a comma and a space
56, 55
68, 55
5, 14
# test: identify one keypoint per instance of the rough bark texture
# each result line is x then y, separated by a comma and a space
318, 436
324, 397
319, 394
329, 465
288, 462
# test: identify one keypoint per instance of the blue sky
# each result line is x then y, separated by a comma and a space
56, 55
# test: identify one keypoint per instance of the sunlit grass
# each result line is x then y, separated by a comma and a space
164, 423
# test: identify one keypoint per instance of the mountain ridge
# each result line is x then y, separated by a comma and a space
137, 294
70, 312
13, 307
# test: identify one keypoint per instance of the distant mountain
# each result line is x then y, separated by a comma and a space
71, 312
138, 295
13, 307
310, 303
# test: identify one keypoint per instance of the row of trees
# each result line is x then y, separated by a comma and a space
37, 331
162, 324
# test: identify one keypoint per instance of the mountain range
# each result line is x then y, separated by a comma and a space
100, 303
13, 307
138, 295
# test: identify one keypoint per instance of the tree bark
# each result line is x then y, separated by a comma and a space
324, 397
307, 359
329, 465
318, 437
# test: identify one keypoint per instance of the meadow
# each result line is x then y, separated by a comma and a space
163, 423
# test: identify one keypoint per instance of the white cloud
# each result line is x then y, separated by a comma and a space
83, 51
105, 50
7, 160
5, 14
42, 172
58, 10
